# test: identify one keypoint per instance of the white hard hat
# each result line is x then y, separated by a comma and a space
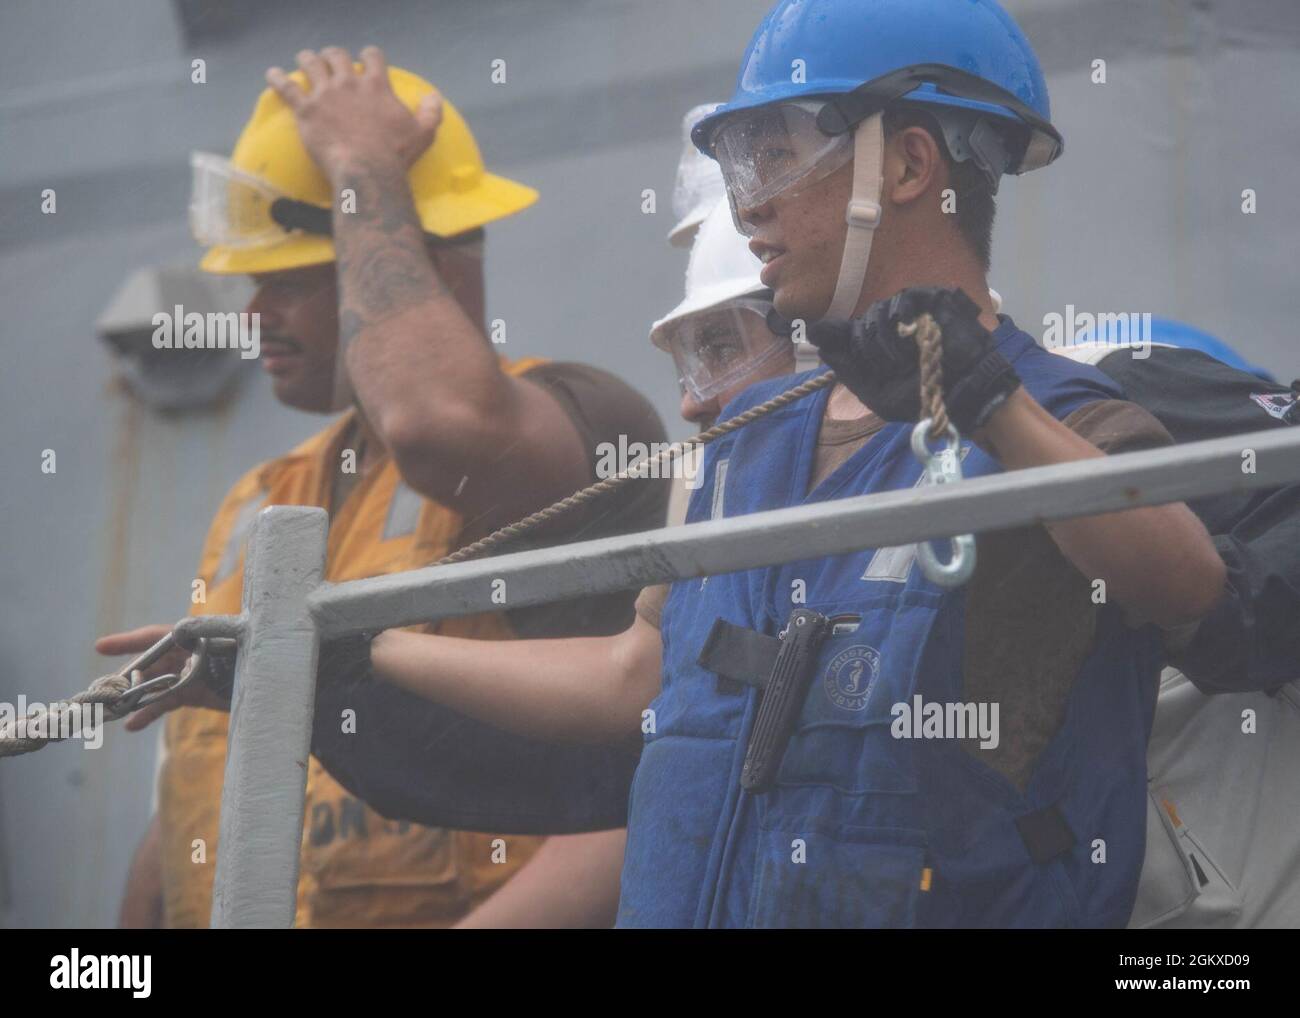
721, 268
699, 182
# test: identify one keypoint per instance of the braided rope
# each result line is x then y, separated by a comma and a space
929, 338
600, 488
106, 690
111, 688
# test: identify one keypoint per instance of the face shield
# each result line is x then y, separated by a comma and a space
231, 208
772, 150
715, 349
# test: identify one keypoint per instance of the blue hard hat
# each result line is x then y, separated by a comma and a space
1166, 330
864, 54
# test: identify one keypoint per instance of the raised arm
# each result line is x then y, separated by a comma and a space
421, 368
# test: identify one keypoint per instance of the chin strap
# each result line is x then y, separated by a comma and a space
863, 215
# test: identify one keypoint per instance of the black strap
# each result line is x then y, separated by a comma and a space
740, 654
1046, 834
293, 214
844, 112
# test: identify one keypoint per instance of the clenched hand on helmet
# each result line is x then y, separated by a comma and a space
347, 114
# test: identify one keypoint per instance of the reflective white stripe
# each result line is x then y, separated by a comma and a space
403, 512
159, 758
719, 487
238, 534
1093, 353
892, 565
718, 509
863, 215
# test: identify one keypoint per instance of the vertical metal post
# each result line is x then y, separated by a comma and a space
270, 723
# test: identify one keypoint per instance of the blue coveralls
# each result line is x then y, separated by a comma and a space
861, 828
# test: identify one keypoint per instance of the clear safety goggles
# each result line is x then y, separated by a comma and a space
715, 349
231, 208
770, 150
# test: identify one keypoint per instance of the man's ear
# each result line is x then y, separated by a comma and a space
914, 165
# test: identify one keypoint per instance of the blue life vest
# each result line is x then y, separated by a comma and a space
862, 829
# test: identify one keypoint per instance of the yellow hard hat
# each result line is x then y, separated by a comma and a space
234, 207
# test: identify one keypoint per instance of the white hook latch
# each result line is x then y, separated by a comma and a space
943, 467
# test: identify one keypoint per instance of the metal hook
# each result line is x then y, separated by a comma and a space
143, 693
943, 467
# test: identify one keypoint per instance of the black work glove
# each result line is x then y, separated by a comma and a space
341, 661
883, 369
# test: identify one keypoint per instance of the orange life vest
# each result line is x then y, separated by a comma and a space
357, 868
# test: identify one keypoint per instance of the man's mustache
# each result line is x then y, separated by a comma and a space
280, 344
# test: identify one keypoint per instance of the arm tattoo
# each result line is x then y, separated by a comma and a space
383, 267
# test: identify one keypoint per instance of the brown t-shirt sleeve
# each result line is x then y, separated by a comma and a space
1030, 619
1117, 425
603, 409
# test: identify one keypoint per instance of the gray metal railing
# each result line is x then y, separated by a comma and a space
288, 610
